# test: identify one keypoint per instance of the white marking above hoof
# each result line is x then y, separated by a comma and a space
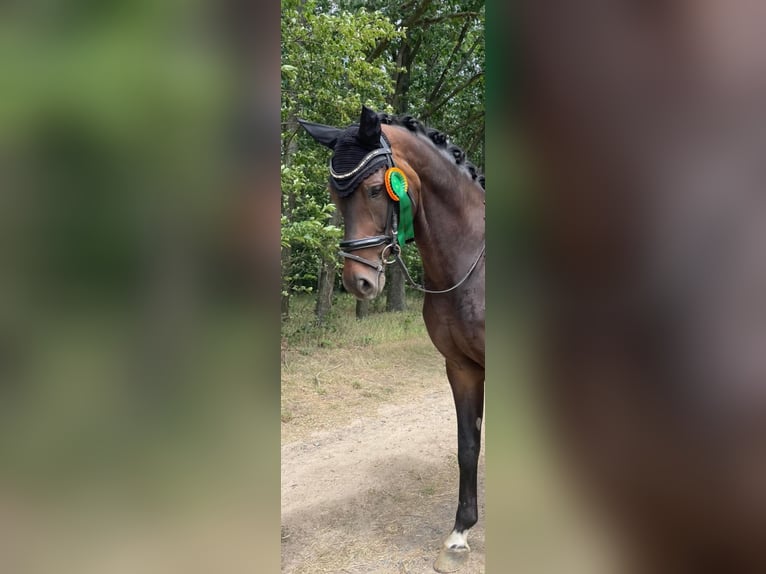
478, 424
457, 540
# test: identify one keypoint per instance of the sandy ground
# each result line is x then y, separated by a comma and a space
376, 495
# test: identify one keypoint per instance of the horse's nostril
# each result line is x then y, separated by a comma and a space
364, 286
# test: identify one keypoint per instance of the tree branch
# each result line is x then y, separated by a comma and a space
471, 119
440, 81
431, 109
415, 16
382, 45
475, 141
464, 61
411, 20
429, 21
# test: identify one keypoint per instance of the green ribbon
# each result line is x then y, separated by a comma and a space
406, 231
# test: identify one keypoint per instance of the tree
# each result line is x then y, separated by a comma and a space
326, 77
327, 275
440, 65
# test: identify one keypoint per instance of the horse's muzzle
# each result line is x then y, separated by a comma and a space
364, 277
362, 281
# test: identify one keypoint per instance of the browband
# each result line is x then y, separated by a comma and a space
365, 160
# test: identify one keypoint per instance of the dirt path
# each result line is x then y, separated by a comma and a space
378, 495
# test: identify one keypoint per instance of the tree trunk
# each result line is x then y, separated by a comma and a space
395, 300
326, 284
287, 206
362, 309
285, 300
404, 61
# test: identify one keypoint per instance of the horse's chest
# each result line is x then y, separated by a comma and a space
456, 327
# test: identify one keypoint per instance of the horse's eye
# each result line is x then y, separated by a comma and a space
375, 190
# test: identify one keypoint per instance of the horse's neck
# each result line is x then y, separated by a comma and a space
449, 229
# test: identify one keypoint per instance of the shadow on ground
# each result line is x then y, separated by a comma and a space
395, 525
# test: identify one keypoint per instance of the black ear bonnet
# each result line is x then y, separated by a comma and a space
359, 150
349, 155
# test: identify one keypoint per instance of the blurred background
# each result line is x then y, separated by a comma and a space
140, 284
139, 224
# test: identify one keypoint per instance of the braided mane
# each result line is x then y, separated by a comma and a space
439, 139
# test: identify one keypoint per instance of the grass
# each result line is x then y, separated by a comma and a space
341, 328
347, 367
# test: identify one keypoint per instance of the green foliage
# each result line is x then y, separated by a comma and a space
325, 72
447, 77
325, 78
412, 260
443, 43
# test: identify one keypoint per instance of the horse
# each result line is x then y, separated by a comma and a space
646, 122
396, 181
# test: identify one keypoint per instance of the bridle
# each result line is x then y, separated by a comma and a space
392, 251
392, 218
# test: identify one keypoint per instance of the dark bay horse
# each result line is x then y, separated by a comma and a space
647, 121
396, 181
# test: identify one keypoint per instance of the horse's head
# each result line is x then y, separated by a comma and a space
360, 166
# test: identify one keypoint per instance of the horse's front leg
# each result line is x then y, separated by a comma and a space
467, 382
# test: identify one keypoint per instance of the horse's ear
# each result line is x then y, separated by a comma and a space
325, 135
369, 128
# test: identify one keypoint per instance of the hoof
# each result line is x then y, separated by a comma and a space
452, 559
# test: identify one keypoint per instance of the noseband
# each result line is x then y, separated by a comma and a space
390, 240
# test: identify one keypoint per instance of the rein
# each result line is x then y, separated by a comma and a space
455, 286
390, 241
